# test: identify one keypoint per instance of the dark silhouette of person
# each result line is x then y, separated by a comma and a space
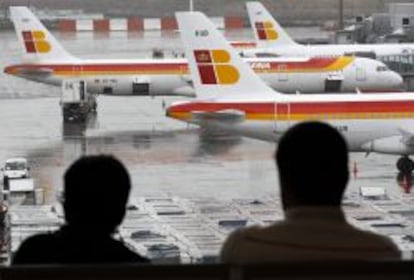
96, 190
312, 159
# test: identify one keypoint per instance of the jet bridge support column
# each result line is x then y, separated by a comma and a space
76, 102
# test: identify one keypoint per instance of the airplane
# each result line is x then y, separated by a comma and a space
46, 61
272, 39
232, 98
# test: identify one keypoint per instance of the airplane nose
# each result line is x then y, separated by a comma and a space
397, 81
6, 70
167, 112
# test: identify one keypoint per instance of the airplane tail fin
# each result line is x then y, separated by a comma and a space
267, 31
37, 42
216, 68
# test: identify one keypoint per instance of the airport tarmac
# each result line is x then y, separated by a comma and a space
162, 154
165, 158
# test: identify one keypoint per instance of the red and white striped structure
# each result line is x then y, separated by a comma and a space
138, 24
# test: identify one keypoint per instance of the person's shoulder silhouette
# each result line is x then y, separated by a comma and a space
312, 159
96, 190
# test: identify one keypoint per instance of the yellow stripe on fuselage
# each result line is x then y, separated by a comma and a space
321, 116
340, 63
116, 73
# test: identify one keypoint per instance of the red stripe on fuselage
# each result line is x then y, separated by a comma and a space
243, 44
301, 107
312, 64
107, 67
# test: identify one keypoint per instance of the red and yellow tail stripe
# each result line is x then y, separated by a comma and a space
266, 31
214, 67
35, 41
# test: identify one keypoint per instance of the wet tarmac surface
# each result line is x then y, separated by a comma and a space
165, 158
159, 157
162, 154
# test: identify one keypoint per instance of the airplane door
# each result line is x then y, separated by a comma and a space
282, 118
82, 90
333, 83
77, 70
361, 74
282, 73
275, 118
140, 86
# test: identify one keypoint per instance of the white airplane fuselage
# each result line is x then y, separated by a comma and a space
171, 77
376, 50
46, 61
381, 123
370, 123
272, 39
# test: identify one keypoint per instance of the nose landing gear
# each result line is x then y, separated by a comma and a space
405, 165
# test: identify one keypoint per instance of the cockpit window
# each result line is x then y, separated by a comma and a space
382, 68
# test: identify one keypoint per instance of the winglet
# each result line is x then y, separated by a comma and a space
216, 68
267, 31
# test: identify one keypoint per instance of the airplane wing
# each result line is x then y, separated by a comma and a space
407, 137
184, 91
187, 79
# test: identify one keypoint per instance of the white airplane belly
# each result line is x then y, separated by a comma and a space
356, 132
139, 85
295, 82
171, 85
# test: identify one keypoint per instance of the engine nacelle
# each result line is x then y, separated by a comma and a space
389, 145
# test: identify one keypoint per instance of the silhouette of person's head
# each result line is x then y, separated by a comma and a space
312, 158
96, 190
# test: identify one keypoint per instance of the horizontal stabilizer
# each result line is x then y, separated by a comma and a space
37, 72
224, 116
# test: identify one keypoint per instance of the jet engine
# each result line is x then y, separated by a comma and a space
390, 145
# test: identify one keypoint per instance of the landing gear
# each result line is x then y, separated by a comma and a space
405, 181
405, 165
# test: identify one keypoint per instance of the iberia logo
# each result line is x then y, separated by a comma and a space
214, 67
266, 30
35, 41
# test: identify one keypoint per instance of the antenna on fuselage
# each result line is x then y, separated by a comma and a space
191, 9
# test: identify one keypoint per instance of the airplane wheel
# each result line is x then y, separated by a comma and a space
405, 165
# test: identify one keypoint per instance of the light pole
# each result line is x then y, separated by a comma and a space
341, 14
